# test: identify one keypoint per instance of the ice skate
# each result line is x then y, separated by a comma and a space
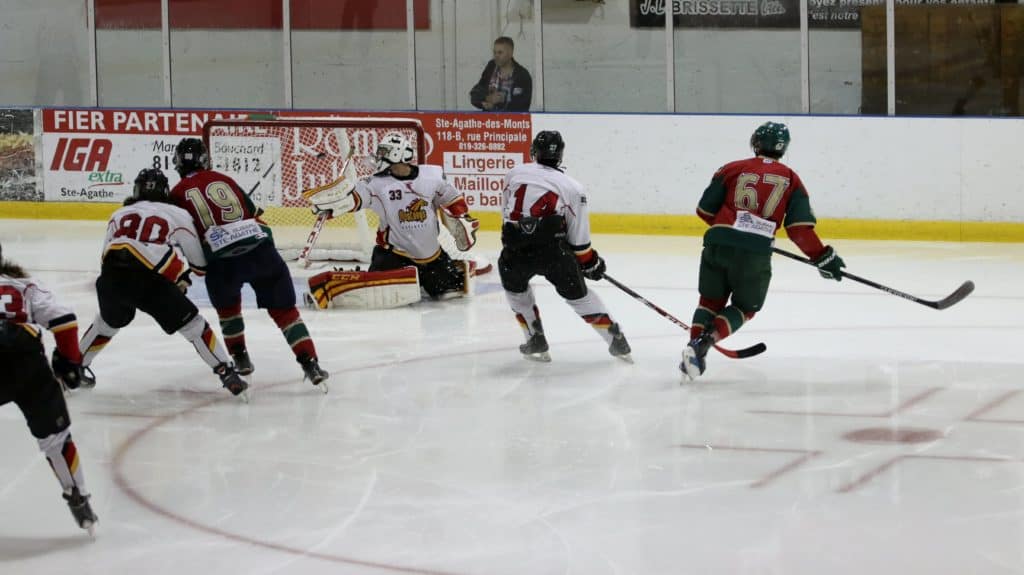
232, 381
536, 348
619, 347
243, 365
693, 364
88, 379
81, 510
314, 373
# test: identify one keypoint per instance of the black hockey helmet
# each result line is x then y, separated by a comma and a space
547, 148
151, 186
770, 139
190, 155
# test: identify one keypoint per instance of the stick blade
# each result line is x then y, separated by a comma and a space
956, 297
751, 351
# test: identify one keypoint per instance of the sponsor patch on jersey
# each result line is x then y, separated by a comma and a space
748, 222
220, 237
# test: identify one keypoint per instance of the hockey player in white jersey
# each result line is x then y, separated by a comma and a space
546, 231
26, 307
149, 247
407, 199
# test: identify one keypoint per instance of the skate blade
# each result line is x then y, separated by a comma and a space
628, 358
542, 357
322, 386
244, 396
90, 529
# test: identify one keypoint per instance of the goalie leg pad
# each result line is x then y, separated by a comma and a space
365, 290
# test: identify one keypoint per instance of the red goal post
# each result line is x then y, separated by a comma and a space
275, 160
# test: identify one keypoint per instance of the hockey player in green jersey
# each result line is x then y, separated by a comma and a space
745, 204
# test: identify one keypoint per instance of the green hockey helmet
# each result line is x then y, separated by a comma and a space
770, 139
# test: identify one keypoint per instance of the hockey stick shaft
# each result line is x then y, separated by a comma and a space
958, 295
735, 354
318, 226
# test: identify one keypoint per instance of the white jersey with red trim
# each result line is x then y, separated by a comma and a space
26, 302
407, 209
161, 236
536, 190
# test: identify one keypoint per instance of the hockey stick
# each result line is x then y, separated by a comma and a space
956, 297
735, 354
321, 219
259, 210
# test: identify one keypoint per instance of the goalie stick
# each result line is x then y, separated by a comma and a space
318, 226
735, 354
954, 298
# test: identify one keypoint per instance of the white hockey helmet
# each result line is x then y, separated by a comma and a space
393, 148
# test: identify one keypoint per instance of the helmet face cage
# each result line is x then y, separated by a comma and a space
770, 139
394, 148
151, 185
547, 148
190, 155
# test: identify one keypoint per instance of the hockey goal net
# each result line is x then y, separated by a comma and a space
275, 160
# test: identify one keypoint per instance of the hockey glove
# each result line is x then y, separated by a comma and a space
68, 373
830, 264
595, 268
185, 281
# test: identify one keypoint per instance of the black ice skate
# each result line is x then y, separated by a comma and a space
243, 365
619, 347
232, 381
313, 372
88, 380
536, 346
693, 364
81, 510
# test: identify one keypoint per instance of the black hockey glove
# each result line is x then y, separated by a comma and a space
830, 264
595, 268
185, 281
68, 373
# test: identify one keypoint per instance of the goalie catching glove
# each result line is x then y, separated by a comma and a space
463, 229
335, 198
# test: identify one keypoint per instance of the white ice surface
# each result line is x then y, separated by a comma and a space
440, 450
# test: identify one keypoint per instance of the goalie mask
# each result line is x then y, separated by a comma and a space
770, 139
547, 148
151, 186
190, 156
394, 148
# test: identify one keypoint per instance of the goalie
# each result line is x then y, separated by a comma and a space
408, 200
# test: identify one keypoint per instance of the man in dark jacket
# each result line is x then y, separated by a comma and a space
504, 85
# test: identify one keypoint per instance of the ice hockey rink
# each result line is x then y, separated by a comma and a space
874, 436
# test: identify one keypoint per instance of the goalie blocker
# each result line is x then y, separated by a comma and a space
375, 289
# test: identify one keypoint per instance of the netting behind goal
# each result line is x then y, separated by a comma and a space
276, 160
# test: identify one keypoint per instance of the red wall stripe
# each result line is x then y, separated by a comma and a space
260, 14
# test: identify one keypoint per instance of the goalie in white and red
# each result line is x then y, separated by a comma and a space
408, 200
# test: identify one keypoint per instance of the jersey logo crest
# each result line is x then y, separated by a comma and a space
414, 212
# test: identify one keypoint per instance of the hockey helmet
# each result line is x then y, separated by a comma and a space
394, 148
190, 155
151, 186
547, 148
770, 139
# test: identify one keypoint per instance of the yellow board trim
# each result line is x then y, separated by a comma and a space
648, 224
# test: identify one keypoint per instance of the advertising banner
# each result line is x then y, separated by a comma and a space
18, 179
94, 155
761, 13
